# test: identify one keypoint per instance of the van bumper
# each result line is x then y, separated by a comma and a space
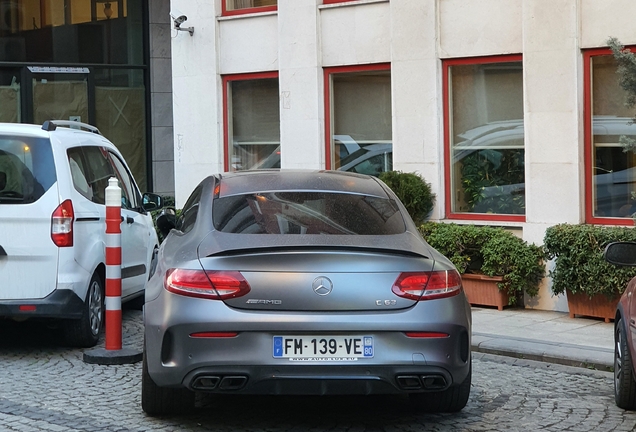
58, 304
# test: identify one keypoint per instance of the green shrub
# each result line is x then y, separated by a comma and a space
579, 263
413, 191
492, 252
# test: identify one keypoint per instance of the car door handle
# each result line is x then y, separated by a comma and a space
129, 220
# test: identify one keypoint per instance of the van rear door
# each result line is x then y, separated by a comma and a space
28, 197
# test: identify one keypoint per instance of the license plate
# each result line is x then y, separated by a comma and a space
323, 348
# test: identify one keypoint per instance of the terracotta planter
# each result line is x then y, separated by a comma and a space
598, 306
483, 291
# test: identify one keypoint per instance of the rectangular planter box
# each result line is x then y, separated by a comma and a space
599, 306
483, 291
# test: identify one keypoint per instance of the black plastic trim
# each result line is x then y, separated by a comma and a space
59, 304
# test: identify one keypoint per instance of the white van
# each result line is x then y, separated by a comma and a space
52, 226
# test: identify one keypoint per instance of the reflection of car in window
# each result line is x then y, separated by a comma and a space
371, 159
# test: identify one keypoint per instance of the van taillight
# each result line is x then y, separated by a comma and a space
62, 224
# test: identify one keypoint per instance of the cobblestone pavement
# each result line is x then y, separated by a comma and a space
45, 387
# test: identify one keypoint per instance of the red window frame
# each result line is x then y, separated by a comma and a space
446, 65
226, 80
328, 71
587, 139
226, 12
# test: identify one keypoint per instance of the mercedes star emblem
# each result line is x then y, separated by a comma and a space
322, 286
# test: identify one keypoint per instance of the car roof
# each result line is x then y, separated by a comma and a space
46, 131
245, 182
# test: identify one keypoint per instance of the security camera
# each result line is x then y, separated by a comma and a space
179, 18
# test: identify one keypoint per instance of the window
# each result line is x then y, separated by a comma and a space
296, 212
188, 216
27, 169
252, 121
358, 119
483, 134
610, 167
130, 198
235, 7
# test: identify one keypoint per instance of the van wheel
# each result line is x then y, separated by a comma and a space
84, 332
157, 401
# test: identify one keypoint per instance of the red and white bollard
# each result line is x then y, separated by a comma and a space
113, 266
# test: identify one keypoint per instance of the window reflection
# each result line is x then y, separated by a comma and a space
614, 165
487, 138
82, 31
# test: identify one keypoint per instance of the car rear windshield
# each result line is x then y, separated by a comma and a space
27, 169
307, 213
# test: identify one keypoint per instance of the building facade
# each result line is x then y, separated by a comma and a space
510, 109
102, 62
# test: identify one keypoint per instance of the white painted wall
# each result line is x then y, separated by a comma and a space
355, 33
300, 78
197, 99
479, 28
304, 36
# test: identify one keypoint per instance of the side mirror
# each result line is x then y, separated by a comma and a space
151, 202
621, 253
166, 221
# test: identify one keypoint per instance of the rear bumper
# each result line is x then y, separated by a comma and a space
175, 359
321, 380
58, 304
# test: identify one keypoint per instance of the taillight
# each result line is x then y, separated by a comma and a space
428, 285
62, 224
213, 285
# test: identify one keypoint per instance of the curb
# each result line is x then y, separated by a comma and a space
587, 357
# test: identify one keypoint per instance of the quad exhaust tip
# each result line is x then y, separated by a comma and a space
422, 382
214, 382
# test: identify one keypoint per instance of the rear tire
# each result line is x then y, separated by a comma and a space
624, 384
157, 401
452, 399
85, 332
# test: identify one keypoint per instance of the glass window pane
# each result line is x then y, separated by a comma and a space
72, 31
254, 125
10, 95
120, 101
27, 169
614, 168
361, 122
486, 138
59, 96
307, 213
246, 4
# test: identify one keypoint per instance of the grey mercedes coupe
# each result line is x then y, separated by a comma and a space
302, 283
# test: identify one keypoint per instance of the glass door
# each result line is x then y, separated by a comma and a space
59, 93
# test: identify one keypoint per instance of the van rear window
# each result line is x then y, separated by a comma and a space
27, 169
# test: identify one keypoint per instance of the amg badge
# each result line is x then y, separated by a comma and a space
265, 302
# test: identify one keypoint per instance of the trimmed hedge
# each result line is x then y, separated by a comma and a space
413, 191
492, 252
579, 263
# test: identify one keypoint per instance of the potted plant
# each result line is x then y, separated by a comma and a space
592, 285
497, 267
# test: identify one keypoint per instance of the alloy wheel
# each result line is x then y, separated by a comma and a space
95, 307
